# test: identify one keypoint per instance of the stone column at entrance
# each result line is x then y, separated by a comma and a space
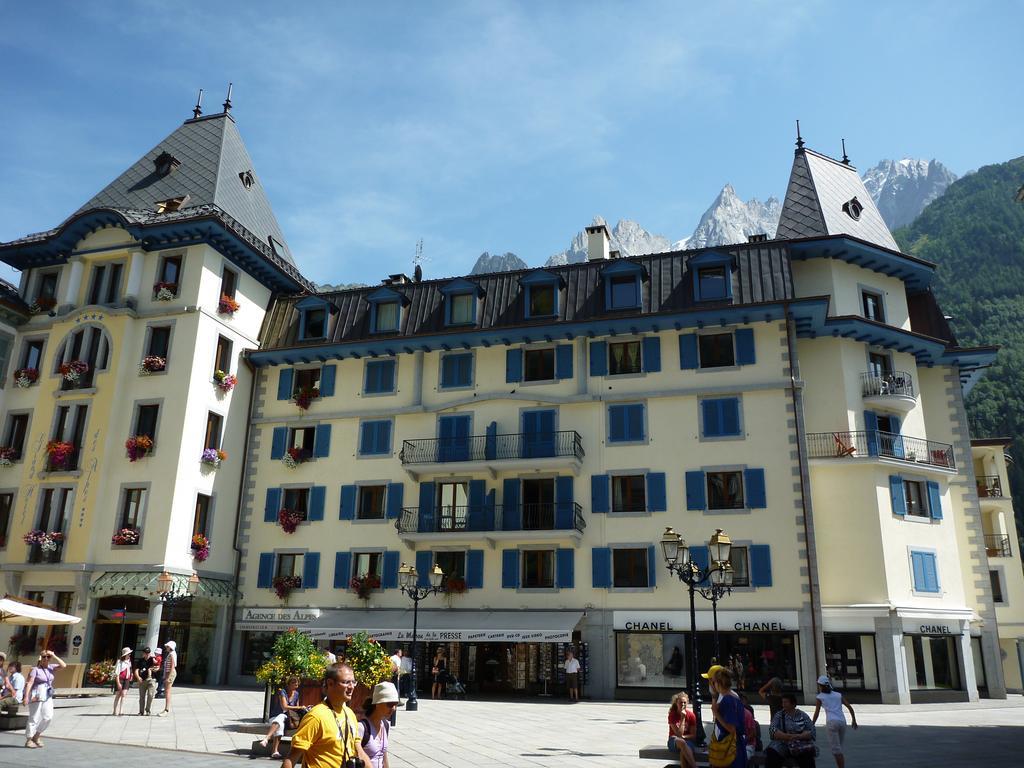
152, 633
892, 661
965, 661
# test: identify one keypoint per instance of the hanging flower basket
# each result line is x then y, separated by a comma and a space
293, 457
305, 396
152, 364
227, 305
138, 446
45, 541
289, 519
26, 377
212, 457
165, 291
200, 547
73, 370
364, 585
126, 537
283, 585
455, 585
225, 381
8, 456
43, 304
59, 454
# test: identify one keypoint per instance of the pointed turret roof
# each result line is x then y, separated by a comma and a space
828, 197
205, 159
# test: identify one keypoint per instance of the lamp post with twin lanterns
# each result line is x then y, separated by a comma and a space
718, 574
408, 580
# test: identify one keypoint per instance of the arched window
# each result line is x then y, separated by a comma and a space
88, 344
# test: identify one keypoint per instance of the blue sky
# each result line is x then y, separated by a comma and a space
496, 126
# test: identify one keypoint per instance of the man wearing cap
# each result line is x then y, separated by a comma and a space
328, 735
145, 676
170, 673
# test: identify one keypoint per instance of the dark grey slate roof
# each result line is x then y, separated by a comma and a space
818, 188
10, 298
762, 274
212, 155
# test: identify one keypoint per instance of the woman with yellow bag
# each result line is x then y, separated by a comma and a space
728, 747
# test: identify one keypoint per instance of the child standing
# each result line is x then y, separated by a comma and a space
832, 701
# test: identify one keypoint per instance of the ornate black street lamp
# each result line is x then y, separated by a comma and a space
408, 580
678, 561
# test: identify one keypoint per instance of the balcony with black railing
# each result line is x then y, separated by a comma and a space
527, 449
888, 384
493, 520
989, 486
876, 444
997, 545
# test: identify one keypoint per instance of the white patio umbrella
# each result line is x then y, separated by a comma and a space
14, 611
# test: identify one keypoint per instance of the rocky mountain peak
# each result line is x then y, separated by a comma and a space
505, 262
902, 188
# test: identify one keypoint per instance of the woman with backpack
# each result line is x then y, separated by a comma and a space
375, 725
122, 680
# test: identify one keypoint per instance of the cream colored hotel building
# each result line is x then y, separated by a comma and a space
531, 432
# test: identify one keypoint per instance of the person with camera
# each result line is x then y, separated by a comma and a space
39, 697
328, 736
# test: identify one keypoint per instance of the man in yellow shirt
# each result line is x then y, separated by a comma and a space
328, 735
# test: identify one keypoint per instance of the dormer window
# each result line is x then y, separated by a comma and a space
171, 204
313, 314
622, 285
385, 310
165, 163
460, 302
712, 277
247, 179
853, 208
541, 294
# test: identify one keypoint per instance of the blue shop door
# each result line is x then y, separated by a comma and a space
453, 434
538, 434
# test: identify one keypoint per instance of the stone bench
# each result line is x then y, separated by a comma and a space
258, 750
661, 752
13, 722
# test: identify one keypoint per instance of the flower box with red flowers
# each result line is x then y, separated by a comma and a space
227, 305
73, 370
43, 304
225, 381
289, 519
26, 377
48, 542
200, 547
364, 585
283, 585
294, 456
138, 446
8, 456
126, 537
455, 585
305, 397
152, 364
59, 455
165, 291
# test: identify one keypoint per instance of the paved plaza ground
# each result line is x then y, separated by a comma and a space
470, 734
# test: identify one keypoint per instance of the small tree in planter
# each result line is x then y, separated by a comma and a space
370, 663
295, 655
152, 364
200, 547
138, 446
26, 377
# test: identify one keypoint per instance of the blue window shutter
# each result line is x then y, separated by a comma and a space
383, 437
744, 346
701, 557
311, 570
871, 426
729, 409
695, 491
342, 570
284, 383
448, 371
367, 437
931, 573
387, 376
565, 568
273, 505
616, 423
599, 358
599, 493
347, 510
265, 576
465, 369
322, 441
688, 351
635, 422
477, 505
711, 415
278, 442
513, 365
563, 361
317, 496
656, 492
327, 376
601, 567
424, 565
509, 568
652, 354
652, 574
917, 565
934, 500
389, 579
753, 479
428, 492
897, 494
760, 565
564, 504
512, 515
396, 495
491, 441
475, 569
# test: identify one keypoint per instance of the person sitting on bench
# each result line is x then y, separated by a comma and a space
13, 689
284, 710
682, 729
792, 735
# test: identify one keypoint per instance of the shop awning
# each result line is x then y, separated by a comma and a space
452, 626
143, 583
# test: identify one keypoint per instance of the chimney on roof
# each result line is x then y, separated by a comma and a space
399, 279
598, 241
614, 254
760, 237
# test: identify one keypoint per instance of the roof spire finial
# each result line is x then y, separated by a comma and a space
846, 160
799, 138
227, 101
197, 110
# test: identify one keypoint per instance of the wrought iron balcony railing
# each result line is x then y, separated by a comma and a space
914, 450
989, 486
523, 445
485, 518
997, 545
891, 384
